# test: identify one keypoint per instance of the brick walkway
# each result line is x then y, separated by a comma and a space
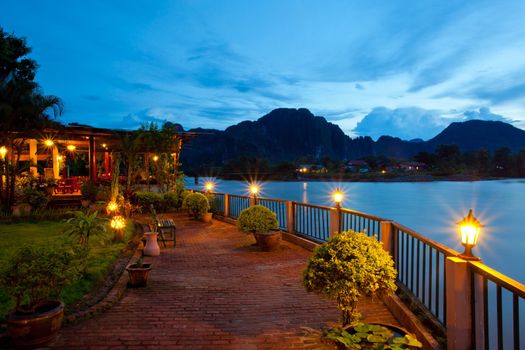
214, 291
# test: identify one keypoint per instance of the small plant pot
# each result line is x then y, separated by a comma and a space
268, 242
138, 276
36, 329
207, 217
85, 203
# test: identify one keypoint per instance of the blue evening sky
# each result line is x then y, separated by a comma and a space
404, 68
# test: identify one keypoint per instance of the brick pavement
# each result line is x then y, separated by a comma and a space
215, 291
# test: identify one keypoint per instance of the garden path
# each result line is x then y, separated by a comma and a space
214, 290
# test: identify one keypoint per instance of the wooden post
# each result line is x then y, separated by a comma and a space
387, 236
290, 217
226, 205
335, 221
56, 163
32, 157
92, 160
479, 311
252, 201
459, 313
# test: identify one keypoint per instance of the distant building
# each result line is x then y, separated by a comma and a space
412, 166
311, 168
357, 166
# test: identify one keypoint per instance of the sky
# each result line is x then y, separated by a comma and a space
401, 68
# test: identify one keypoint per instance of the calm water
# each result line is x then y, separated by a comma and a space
431, 208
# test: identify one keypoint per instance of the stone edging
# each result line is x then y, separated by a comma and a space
111, 298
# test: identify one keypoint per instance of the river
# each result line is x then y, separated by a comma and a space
431, 208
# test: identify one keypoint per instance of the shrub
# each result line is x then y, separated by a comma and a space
171, 200
37, 198
85, 225
348, 266
257, 219
145, 199
35, 274
196, 204
89, 190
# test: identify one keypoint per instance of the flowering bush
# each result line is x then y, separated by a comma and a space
36, 183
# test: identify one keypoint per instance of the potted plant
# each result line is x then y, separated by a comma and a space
262, 223
33, 277
196, 204
138, 273
348, 266
367, 336
89, 193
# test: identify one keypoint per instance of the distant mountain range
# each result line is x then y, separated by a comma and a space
288, 134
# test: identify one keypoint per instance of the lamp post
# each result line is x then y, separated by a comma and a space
469, 228
254, 189
338, 198
209, 186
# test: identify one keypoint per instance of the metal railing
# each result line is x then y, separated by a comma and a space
311, 221
361, 222
236, 204
497, 319
420, 264
498, 302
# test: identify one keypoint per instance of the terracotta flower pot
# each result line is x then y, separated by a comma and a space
207, 217
138, 276
85, 203
268, 241
35, 330
152, 247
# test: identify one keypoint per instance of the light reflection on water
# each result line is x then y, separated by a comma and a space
431, 208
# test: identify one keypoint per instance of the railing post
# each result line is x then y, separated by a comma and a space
387, 236
226, 205
290, 219
459, 306
479, 311
335, 221
252, 201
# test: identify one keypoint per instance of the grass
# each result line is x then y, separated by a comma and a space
101, 256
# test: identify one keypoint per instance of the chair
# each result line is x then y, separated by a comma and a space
163, 226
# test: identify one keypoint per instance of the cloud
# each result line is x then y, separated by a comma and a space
405, 123
484, 113
413, 122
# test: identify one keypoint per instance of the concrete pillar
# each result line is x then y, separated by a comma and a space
32, 157
387, 236
56, 163
335, 221
290, 217
459, 313
226, 205
479, 311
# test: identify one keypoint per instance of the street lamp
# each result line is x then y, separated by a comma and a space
49, 143
3, 152
469, 228
338, 197
209, 186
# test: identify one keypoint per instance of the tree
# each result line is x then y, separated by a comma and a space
24, 110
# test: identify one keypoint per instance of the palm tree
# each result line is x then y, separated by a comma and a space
24, 110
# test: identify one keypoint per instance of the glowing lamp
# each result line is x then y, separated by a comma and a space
59, 158
155, 158
71, 148
469, 228
3, 152
104, 145
209, 186
112, 207
49, 142
338, 197
254, 189
118, 223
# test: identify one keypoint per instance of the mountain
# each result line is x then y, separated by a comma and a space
289, 134
476, 134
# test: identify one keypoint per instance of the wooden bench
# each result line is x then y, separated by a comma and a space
164, 226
